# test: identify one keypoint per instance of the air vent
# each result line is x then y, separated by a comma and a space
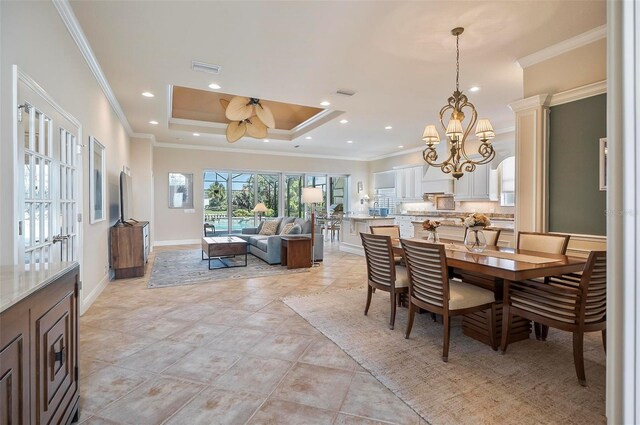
345, 92
205, 67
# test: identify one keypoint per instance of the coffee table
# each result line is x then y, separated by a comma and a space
222, 247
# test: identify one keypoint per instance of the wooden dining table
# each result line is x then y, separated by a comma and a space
490, 270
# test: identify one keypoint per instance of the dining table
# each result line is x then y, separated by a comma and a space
492, 269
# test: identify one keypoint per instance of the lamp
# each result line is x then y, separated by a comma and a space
458, 159
260, 209
312, 195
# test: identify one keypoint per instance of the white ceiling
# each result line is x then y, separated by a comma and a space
398, 56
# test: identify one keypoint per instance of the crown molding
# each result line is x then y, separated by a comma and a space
579, 93
530, 102
255, 152
557, 49
75, 30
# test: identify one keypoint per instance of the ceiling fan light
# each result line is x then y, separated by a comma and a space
454, 129
484, 130
431, 135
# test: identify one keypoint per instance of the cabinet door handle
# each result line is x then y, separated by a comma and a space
58, 356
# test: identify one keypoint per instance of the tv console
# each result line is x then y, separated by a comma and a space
130, 245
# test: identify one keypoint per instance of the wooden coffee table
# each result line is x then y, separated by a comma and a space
295, 251
222, 247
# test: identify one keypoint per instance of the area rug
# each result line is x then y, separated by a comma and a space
533, 383
185, 267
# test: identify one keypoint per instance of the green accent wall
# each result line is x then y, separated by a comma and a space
576, 203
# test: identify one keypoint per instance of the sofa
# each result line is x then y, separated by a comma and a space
267, 248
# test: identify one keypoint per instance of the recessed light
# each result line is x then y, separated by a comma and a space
400, 146
196, 134
388, 127
153, 122
325, 103
344, 121
308, 137
266, 140
214, 86
147, 94
349, 141
474, 88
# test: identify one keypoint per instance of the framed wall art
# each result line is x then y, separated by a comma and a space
97, 183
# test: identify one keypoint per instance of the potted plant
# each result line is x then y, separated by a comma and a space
474, 239
431, 226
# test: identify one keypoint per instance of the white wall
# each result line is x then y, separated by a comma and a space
176, 225
34, 37
142, 181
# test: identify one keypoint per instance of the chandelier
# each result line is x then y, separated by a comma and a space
458, 159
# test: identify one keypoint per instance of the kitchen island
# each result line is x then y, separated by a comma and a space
353, 225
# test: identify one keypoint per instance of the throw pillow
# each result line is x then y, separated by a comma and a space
259, 227
286, 229
295, 229
269, 227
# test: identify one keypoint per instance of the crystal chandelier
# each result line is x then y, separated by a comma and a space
458, 159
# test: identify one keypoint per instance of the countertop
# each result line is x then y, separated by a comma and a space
504, 225
19, 281
367, 217
454, 215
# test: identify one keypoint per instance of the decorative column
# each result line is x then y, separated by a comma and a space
532, 136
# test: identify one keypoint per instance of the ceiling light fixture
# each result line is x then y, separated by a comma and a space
196, 134
349, 141
153, 122
215, 86
474, 89
344, 121
388, 127
325, 103
266, 140
458, 158
308, 137
148, 94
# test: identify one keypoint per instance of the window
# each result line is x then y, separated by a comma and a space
507, 170
293, 195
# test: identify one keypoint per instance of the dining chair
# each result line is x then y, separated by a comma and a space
391, 230
431, 289
574, 302
209, 230
492, 235
334, 225
550, 243
382, 272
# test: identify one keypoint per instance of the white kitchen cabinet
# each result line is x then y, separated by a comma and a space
473, 186
408, 183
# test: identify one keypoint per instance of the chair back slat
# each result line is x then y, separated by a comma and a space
594, 288
428, 277
379, 257
550, 243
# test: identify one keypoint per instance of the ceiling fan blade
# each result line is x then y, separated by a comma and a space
256, 128
224, 103
265, 115
235, 131
240, 108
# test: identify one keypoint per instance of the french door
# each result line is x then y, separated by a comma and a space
48, 178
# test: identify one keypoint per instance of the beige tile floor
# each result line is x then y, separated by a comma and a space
225, 352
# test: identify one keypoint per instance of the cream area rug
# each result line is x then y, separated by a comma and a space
533, 383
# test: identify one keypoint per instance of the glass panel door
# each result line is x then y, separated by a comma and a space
267, 192
293, 206
337, 194
242, 201
215, 201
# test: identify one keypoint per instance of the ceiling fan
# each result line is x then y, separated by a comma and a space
247, 116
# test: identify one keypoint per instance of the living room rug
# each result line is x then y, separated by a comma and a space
533, 383
185, 267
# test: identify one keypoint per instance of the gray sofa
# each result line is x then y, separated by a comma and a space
267, 248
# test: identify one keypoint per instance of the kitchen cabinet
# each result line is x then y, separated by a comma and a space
406, 227
408, 183
473, 186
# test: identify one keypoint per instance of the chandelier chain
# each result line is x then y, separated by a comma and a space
457, 62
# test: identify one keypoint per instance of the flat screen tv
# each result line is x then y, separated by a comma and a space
126, 194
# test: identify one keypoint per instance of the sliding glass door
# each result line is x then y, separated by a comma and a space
293, 206
267, 192
242, 201
216, 201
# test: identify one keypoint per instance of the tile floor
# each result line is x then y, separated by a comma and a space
227, 352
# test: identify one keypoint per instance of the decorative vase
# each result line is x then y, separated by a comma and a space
433, 237
475, 240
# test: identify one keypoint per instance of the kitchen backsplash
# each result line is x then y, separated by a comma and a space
461, 206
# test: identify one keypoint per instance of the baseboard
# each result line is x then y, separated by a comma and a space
86, 302
177, 242
351, 249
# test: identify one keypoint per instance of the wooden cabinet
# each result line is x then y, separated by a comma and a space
473, 186
39, 355
130, 245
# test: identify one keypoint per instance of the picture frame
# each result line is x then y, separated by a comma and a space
360, 187
603, 164
180, 190
97, 182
